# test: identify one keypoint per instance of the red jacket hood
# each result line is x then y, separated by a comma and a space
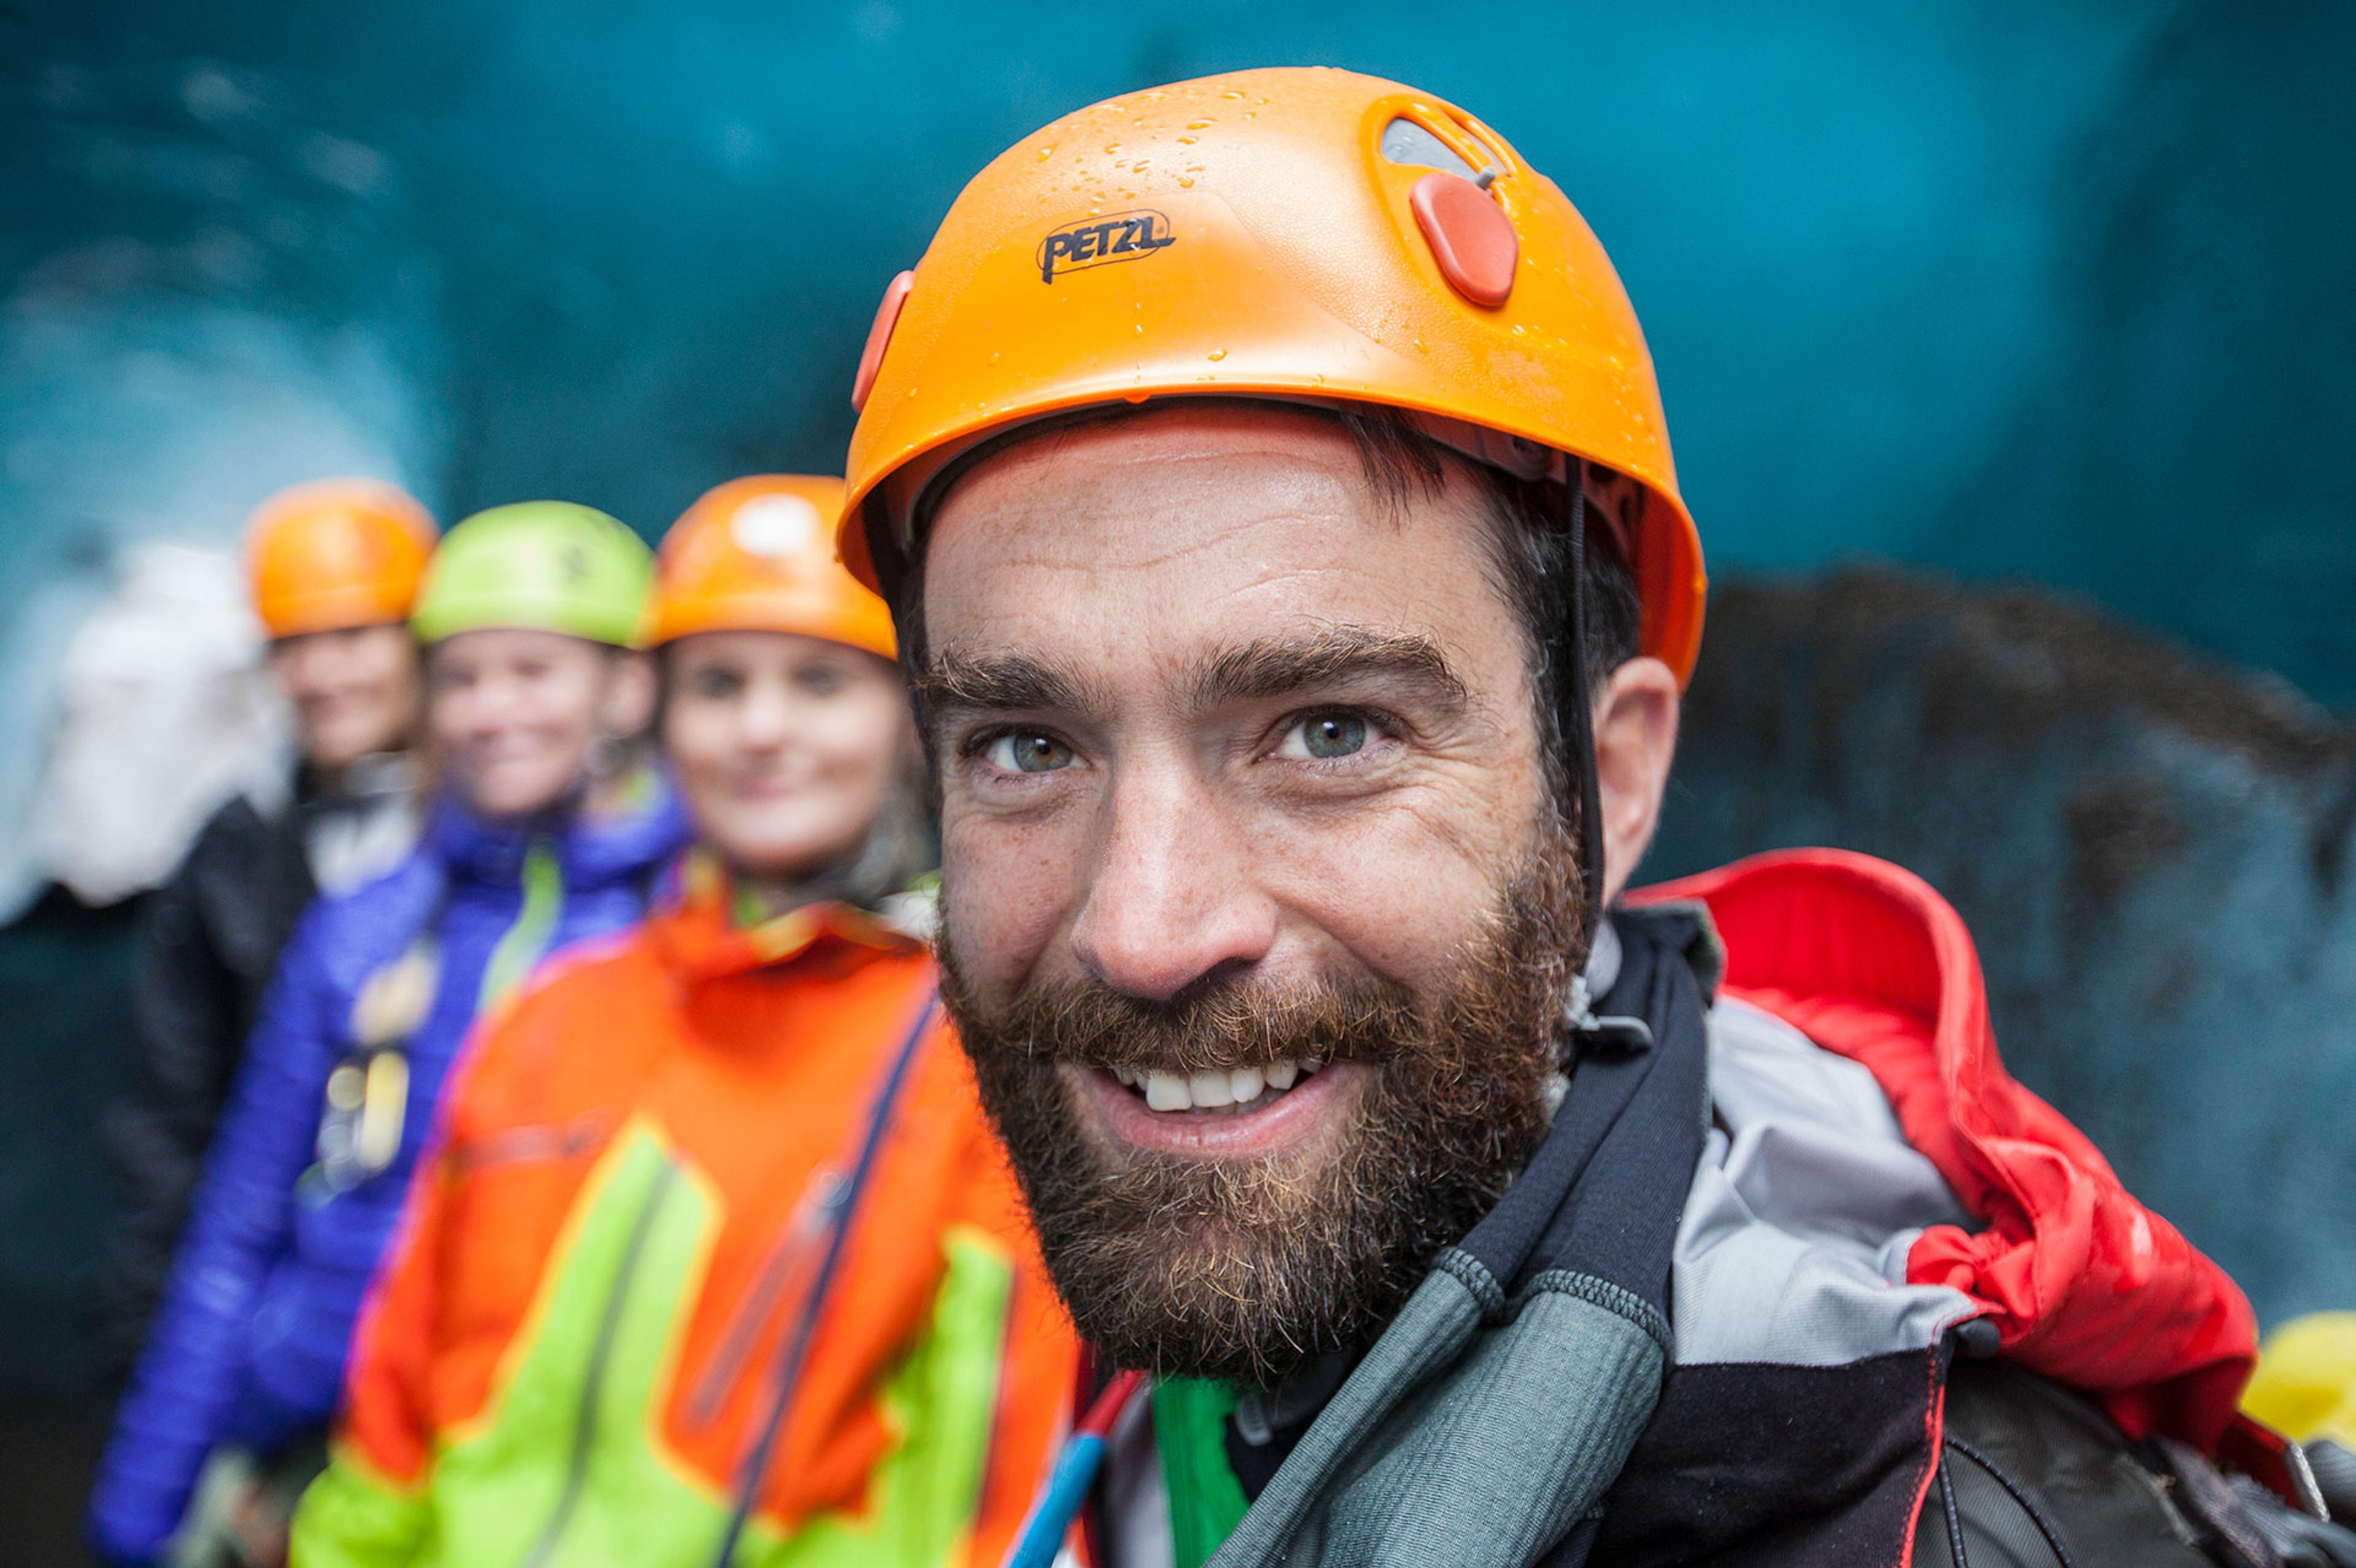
2084, 1283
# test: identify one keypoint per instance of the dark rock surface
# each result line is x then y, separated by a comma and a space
2153, 852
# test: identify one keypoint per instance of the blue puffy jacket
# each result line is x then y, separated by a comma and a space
248, 1346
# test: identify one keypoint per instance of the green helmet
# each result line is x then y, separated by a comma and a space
547, 566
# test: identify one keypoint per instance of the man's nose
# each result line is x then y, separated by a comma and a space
1173, 899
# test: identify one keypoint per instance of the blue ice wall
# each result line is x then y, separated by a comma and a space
2050, 290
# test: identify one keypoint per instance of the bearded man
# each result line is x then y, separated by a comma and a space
1269, 481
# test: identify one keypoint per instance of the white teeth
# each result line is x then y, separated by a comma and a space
1213, 1090
1310, 1064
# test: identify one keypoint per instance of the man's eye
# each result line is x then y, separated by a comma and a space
1325, 736
1028, 753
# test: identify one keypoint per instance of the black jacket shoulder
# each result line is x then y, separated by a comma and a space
2034, 1476
206, 946
246, 882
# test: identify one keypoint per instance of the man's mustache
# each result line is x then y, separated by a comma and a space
1210, 1027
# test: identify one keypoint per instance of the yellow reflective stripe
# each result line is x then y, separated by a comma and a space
525, 942
352, 1516
635, 1251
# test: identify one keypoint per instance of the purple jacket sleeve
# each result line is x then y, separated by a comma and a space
188, 1379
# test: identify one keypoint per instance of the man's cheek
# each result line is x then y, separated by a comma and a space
1005, 895
1396, 899
1060, 1082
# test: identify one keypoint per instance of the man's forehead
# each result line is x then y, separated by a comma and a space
1204, 500
1117, 485
1166, 431
1193, 556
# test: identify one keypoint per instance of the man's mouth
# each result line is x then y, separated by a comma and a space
1230, 1111
1232, 1089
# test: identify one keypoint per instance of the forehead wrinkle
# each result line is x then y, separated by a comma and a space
1107, 554
1274, 667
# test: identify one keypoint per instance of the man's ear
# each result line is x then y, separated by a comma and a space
630, 704
1635, 740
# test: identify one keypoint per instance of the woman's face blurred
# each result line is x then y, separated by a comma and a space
355, 691
515, 715
785, 746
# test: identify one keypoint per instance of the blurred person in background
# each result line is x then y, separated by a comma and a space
547, 826
717, 1260
334, 569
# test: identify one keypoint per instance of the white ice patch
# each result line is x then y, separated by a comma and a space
133, 418
164, 712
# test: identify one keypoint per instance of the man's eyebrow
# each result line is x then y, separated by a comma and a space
1280, 667
955, 682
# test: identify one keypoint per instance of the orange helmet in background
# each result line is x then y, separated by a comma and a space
336, 554
758, 555
1309, 235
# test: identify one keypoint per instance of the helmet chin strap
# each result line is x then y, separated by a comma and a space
1577, 716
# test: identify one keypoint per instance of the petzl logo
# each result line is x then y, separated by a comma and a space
1123, 237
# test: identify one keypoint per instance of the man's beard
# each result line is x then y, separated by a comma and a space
1245, 1268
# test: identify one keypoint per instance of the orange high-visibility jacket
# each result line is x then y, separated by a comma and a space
572, 1353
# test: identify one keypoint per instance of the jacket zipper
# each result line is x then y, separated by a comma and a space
585, 1426
525, 942
760, 1300
516, 1146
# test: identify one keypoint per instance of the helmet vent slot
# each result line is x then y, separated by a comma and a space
1405, 142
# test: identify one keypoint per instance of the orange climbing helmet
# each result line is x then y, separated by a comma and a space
758, 555
1309, 235
336, 554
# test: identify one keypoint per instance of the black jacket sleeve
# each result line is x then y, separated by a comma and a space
2032, 1477
205, 945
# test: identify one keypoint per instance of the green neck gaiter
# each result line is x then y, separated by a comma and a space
1206, 1500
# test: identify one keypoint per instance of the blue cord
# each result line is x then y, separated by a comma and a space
1077, 1463
789, 1366
1059, 1502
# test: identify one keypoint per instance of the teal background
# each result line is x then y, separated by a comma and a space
2053, 291
2046, 290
